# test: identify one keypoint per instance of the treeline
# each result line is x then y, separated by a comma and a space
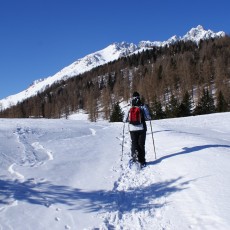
175, 108
182, 79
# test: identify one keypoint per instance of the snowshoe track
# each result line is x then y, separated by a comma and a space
136, 208
32, 152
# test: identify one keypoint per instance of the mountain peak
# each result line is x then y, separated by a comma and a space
199, 33
101, 57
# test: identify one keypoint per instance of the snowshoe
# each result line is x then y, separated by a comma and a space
143, 165
134, 160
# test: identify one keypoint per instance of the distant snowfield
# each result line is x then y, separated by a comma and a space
68, 174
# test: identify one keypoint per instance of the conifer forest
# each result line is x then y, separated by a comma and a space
182, 79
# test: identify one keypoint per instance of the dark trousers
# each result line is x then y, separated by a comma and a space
138, 143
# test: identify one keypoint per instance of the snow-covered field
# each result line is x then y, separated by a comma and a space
68, 174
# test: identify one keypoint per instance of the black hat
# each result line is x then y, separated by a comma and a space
136, 94
136, 99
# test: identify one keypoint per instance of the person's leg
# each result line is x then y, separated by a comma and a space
134, 146
141, 143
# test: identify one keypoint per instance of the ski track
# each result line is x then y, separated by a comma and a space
33, 153
13, 172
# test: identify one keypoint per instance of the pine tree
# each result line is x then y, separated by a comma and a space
159, 73
157, 111
117, 114
185, 106
206, 104
172, 109
222, 105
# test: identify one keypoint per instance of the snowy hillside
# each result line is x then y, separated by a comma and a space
110, 53
68, 174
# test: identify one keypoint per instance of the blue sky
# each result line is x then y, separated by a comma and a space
40, 37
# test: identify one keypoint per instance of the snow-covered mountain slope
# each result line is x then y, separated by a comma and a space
68, 174
110, 53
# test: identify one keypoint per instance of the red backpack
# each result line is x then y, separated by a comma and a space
135, 115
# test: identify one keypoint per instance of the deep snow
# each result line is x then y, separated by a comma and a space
68, 174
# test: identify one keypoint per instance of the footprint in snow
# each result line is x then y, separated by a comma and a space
57, 218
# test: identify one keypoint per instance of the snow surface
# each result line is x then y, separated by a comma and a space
68, 174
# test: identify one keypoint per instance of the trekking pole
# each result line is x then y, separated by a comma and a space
153, 140
123, 135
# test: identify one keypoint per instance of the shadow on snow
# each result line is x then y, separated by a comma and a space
45, 193
187, 150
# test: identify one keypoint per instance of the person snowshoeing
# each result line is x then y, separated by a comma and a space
136, 117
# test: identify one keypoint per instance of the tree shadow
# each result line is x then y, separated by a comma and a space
46, 194
172, 131
160, 131
187, 150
